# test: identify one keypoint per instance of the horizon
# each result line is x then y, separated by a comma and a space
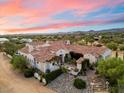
59, 16
54, 33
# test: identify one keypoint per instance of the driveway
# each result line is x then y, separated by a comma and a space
12, 81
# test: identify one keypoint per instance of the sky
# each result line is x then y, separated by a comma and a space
51, 16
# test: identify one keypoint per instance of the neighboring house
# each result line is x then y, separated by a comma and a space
50, 56
14, 39
2, 40
26, 40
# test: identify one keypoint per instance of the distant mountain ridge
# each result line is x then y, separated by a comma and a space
73, 32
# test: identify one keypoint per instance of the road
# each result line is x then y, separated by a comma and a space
12, 81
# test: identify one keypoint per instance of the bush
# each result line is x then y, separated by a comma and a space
29, 72
19, 62
79, 83
64, 70
52, 75
113, 90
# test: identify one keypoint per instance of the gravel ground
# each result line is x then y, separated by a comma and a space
64, 84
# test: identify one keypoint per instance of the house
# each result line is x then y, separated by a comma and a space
2, 40
49, 56
26, 40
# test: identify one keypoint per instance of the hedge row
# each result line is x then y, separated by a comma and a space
29, 72
52, 75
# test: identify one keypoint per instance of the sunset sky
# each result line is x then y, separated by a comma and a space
50, 16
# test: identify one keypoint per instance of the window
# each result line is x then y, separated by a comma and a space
53, 64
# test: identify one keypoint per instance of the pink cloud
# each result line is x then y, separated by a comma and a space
49, 8
64, 25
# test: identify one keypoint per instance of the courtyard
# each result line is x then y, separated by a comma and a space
64, 84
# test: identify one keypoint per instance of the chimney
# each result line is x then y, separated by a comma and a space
30, 47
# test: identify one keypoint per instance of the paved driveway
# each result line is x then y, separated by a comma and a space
13, 82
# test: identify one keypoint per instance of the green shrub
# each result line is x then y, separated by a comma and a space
113, 89
52, 75
79, 83
29, 72
19, 62
64, 70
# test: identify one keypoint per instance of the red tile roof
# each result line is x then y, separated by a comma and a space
46, 53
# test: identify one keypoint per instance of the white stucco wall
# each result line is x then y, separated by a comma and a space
62, 52
29, 57
91, 58
53, 67
79, 66
41, 66
106, 54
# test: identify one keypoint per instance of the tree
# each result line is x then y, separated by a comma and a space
89, 39
112, 69
114, 47
121, 85
19, 62
10, 48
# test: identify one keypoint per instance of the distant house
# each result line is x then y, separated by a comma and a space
49, 56
2, 40
26, 40
14, 38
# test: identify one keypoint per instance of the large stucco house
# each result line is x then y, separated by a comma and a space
43, 55
2, 40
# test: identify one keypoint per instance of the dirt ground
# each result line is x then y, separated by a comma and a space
13, 82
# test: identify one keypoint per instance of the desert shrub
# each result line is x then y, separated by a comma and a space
52, 75
79, 83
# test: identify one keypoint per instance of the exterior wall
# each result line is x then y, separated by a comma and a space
91, 58
47, 66
79, 66
29, 57
41, 66
63, 53
53, 67
107, 53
